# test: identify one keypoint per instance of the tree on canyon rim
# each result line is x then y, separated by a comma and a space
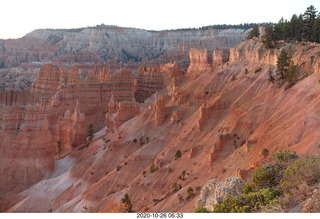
283, 64
254, 32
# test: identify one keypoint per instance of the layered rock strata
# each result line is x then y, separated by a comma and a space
199, 60
220, 56
119, 113
155, 78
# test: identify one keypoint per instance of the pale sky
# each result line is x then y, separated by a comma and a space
19, 17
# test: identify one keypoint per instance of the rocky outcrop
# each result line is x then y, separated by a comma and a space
26, 147
220, 56
177, 115
155, 78
71, 128
119, 113
199, 60
161, 111
56, 108
205, 113
215, 191
47, 81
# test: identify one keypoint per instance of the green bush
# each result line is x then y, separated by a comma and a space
257, 70
305, 169
265, 176
178, 154
265, 152
190, 191
153, 168
283, 157
201, 210
233, 78
247, 203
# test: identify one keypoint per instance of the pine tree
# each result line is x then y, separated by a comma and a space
283, 64
316, 30
268, 38
271, 78
293, 27
127, 203
299, 28
59, 147
254, 32
292, 74
278, 30
309, 18
90, 132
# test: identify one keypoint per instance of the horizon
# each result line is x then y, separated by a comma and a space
141, 14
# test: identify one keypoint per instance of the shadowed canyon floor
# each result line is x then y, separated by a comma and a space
219, 117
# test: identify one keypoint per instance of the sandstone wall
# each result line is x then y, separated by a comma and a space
154, 78
199, 60
26, 147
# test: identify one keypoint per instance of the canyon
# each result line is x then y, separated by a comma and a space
204, 98
104, 45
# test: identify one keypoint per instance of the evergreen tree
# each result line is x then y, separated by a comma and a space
283, 64
293, 27
278, 30
292, 74
59, 147
127, 203
299, 28
316, 30
254, 32
271, 78
268, 38
90, 132
309, 18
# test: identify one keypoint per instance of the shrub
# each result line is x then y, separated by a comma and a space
147, 139
305, 169
246, 203
135, 141
265, 176
190, 191
249, 187
246, 71
233, 78
201, 210
283, 157
73, 145
153, 168
183, 174
257, 70
265, 152
176, 187
141, 141
178, 154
